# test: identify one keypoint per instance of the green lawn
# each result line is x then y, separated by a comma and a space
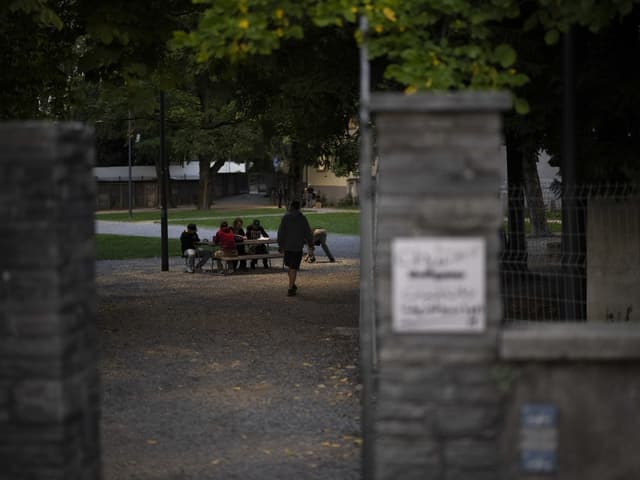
347, 222
186, 216
120, 247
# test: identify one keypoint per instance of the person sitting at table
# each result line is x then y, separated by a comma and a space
225, 239
239, 232
254, 232
190, 250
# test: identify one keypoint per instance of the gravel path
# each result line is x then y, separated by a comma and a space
225, 377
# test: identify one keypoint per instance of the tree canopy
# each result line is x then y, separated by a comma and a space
279, 73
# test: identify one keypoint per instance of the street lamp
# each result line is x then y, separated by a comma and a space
129, 134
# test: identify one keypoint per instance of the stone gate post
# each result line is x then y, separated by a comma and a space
436, 280
49, 393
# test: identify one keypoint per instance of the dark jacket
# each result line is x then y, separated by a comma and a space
187, 240
294, 232
256, 231
239, 232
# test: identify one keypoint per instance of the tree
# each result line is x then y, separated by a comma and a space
36, 58
306, 96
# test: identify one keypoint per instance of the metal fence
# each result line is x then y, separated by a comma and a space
572, 260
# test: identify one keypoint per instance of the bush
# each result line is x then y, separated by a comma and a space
348, 201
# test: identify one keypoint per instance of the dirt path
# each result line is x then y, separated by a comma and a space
226, 377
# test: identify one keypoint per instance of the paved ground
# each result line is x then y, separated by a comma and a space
212, 377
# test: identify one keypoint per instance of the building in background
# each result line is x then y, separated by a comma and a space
113, 185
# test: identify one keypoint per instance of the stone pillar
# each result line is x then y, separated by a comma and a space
438, 399
49, 392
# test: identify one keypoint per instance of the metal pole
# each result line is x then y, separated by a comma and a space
130, 184
570, 244
367, 313
164, 171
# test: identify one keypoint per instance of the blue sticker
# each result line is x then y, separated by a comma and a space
538, 461
539, 415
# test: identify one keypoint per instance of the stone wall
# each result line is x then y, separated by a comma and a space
49, 391
597, 425
439, 406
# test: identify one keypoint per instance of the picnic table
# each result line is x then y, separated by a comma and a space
269, 255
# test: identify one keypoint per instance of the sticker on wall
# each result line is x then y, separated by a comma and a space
539, 438
438, 284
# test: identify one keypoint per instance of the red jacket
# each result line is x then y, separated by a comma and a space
225, 239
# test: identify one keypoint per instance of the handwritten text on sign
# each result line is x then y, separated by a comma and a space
438, 284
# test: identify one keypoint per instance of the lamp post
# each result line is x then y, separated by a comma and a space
164, 169
129, 133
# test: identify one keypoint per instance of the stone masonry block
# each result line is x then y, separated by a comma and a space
462, 421
406, 136
401, 427
403, 410
407, 457
394, 471
23, 286
446, 213
14, 367
469, 454
445, 161
478, 474
429, 353
461, 183
453, 103
37, 401
484, 123
481, 395
33, 347
44, 324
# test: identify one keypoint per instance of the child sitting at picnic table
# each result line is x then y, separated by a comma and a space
239, 232
255, 231
190, 250
226, 240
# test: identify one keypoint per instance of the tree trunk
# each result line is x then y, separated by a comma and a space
213, 171
515, 254
204, 197
170, 200
535, 201
294, 178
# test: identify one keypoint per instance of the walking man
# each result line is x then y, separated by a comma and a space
293, 233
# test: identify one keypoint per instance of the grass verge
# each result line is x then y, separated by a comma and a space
121, 247
347, 223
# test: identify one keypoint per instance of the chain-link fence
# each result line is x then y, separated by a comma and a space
573, 257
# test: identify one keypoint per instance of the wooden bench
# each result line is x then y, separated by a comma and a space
228, 261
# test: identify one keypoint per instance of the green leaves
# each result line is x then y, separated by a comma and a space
236, 30
521, 106
552, 37
505, 55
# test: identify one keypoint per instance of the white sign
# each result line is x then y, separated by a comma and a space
438, 284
